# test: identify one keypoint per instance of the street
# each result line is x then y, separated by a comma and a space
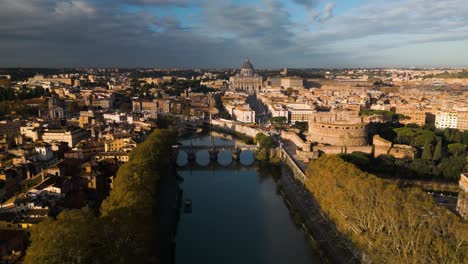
320, 227
261, 112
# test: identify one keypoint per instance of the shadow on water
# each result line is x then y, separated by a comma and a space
237, 215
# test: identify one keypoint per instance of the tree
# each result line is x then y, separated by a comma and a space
73, 107
456, 148
387, 223
264, 141
279, 120
465, 137
75, 237
126, 230
427, 151
125, 107
438, 151
452, 167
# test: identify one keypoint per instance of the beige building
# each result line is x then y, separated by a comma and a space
71, 135
446, 119
462, 120
292, 82
246, 80
299, 112
243, 114
338, 128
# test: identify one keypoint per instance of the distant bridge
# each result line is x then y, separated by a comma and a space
213, 150
237, 146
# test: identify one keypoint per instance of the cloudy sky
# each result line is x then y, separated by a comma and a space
221, 33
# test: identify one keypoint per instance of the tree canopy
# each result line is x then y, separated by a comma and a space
125, 231
388, 223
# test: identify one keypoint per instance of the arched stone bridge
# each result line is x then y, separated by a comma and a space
213, 150
238, 146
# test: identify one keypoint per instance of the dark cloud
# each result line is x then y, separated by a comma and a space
263, 25
158, 2
103, 33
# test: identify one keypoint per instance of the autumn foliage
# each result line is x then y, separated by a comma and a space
388, 223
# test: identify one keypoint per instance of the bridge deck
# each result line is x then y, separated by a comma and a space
209, 147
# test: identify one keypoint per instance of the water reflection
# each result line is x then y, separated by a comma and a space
224, 156
237, 216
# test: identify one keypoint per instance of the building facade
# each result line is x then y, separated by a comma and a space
338, 128
446, 119
247, 79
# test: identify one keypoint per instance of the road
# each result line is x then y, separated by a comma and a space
320, 227
261, 112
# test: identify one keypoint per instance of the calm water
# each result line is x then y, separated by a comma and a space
237, 216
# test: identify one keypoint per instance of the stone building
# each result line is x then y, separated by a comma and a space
70, 135
292, 82
338, 128
246, 80
462, 202
243, 114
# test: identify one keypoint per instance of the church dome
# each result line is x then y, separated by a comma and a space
247, 65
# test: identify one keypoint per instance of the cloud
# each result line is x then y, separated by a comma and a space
221, 33
158, 2
327, 12
308, 3
263, 25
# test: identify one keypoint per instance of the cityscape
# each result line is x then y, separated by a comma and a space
144, 131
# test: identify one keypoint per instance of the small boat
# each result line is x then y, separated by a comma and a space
199, 130
188, 206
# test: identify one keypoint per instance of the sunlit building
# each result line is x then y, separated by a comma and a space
247, 79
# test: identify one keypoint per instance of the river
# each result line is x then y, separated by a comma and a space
237, 215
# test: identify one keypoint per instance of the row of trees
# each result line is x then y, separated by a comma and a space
8, 107
449, 169
125, 230
23, 93
439, 153
387, 223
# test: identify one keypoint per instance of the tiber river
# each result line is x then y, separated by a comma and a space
237, 215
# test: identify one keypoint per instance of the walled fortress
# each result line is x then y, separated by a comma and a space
338, 128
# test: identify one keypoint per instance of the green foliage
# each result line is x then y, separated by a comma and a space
75, 237
453, 135
278, 120
389, 224
369, 112
8, 107
452, 167
302, 126
126, 231
427, 151
414, 136
359, 159
438, 151
225, 115
125, 107
9, 94
264, 141
266, 144
446, 75
465, 137
73, 107
164, 121
456, 148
